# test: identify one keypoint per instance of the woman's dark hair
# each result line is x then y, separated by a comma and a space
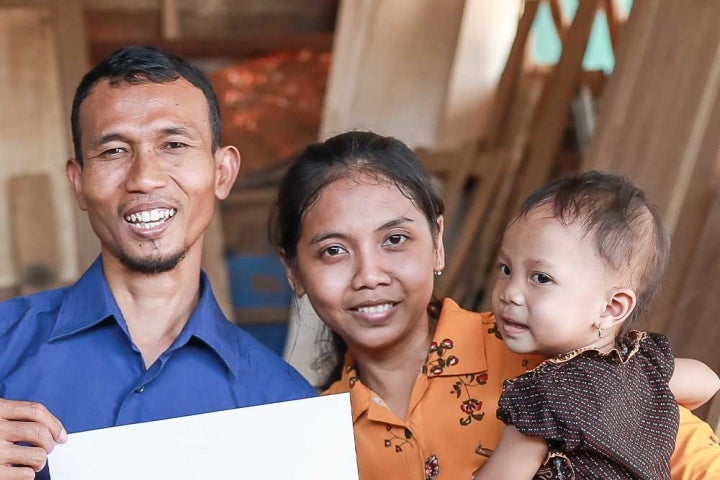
137, 64
349, 154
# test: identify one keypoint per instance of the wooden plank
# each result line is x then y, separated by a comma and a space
615, 106
213, 262
238, 46
454, 169
660, 122
73, 61
493, 166
170, 15
695, 330
132, 23
34, 232
33, 98
614, 21
518, 133
552, 112
510, 76
558, 17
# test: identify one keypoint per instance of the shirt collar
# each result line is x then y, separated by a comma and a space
457, 336
90, 301
458, 345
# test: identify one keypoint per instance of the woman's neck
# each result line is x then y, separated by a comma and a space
392, 373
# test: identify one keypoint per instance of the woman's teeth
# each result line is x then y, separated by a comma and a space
376, 308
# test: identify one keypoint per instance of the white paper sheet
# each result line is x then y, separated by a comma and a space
299, 440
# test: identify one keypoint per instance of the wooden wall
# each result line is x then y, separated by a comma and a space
38, 73
659, 124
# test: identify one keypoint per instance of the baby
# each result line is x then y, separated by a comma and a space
577, 266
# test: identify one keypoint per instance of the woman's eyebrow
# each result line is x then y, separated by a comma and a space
394, 223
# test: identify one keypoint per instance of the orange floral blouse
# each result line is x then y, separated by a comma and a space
451, 427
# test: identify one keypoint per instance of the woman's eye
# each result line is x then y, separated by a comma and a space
396, 239
541, 278
333, 251
504, 269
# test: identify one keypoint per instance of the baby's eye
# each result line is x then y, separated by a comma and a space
396, 239
541, 278
504, 269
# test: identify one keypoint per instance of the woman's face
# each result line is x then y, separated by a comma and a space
365, 258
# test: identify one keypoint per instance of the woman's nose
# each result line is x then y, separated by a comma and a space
370, 271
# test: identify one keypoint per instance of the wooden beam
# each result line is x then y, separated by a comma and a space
232, 47
511, 75
34, 232
170, 14
552, 112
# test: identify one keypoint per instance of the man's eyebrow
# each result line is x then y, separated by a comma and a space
110, 137
176, 131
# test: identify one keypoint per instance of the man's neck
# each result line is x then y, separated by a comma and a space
156, 307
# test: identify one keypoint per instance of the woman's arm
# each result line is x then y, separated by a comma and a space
693, 383
517, 457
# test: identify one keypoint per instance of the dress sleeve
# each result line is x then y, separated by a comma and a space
656, 348
551, 402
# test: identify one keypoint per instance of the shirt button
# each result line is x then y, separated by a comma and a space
140, 389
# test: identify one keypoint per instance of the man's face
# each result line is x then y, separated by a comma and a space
149, 178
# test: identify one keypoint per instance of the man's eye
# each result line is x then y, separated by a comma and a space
113, 151
541, 278
174, 145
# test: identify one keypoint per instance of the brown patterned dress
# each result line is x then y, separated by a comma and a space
603, 415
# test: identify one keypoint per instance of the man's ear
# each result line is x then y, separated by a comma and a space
290, 273
227, 164
618, 307
439, 261
73, 172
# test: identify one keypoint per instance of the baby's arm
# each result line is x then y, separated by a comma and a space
693, 383
517, 457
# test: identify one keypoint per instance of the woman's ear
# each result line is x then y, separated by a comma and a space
618, 307
439, 260
291, 275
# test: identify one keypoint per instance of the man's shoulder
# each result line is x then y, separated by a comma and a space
255, 361
27, 308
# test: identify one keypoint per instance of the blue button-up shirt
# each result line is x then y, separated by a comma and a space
70, 349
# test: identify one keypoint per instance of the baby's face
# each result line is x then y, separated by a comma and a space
552, 287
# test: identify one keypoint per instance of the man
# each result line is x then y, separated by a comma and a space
140, 336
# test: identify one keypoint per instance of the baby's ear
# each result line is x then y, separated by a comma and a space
618, 307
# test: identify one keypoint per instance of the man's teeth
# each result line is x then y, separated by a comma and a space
150, 218
376, 308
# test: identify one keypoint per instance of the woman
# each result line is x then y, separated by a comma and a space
359, 225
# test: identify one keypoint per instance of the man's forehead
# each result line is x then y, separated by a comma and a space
133, 103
